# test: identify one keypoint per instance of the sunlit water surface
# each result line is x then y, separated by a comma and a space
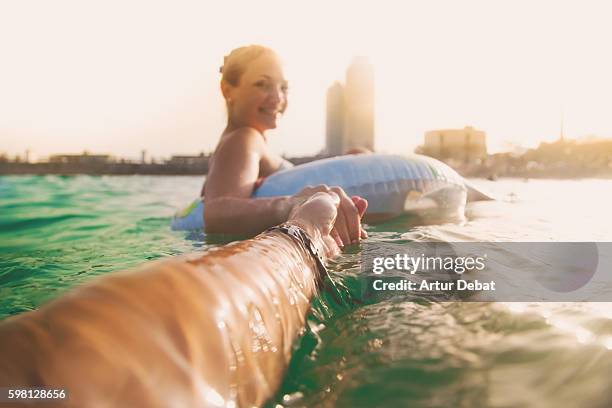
58, 231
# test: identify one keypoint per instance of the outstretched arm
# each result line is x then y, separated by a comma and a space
198, 330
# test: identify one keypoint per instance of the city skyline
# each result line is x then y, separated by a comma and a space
122, 76
350, 110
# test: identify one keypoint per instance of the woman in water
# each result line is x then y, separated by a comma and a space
255, 92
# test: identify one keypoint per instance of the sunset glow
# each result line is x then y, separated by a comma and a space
121, 76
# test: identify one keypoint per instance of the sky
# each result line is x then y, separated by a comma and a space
121, 76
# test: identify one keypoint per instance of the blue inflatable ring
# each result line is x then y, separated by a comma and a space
392, 184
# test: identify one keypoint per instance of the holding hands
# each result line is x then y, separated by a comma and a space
332, 212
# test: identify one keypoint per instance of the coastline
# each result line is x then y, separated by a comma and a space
200, 169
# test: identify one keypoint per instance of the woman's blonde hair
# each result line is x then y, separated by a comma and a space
236, 62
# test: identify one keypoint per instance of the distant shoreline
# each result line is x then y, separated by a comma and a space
558, 173
164, 169
170, 168
125, 169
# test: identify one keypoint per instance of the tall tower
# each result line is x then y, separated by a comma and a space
359, 104
334, 126
562, 134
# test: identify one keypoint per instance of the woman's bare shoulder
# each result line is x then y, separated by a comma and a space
236, 150
244, 137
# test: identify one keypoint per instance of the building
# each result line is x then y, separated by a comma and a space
179, 160
334, 131
466, 145
85, 158
359, 104
350, 110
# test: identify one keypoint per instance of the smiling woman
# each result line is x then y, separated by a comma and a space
264, 94
255, 91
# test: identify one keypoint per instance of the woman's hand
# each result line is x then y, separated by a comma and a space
346, 228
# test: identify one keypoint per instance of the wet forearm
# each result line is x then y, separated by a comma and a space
197, 322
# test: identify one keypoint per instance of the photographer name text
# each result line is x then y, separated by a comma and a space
425, 285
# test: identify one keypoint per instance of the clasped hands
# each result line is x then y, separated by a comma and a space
331, 212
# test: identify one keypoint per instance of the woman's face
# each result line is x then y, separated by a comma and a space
261, 95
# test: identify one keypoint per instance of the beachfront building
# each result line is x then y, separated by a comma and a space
350, 110
187, 160
197, 163
466, 145
83, 159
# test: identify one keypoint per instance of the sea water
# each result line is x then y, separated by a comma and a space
56, 232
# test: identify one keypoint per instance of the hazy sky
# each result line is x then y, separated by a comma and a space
119, 76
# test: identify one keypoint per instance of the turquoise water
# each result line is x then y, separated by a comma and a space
58, 231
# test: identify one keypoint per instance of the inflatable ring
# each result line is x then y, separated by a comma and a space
392, 184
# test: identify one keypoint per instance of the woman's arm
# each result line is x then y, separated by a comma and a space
229, 186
